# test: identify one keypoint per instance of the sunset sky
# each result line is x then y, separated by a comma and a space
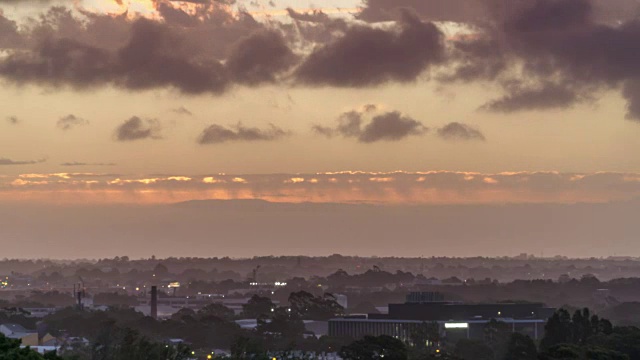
402, 102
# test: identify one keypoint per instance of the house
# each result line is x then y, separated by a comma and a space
14, 331
27, 337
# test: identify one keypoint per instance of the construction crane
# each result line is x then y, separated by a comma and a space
255, 274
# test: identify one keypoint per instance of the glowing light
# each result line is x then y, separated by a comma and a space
489, 180
456, 326
179, 178
212, 180
381, 179
295, 180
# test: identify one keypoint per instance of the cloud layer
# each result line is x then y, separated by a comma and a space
436, 187
568, 50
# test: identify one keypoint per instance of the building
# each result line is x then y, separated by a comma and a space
167, 306
455, 320
40, 312
27, 337
14, 331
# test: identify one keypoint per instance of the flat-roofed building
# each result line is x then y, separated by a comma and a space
455, 320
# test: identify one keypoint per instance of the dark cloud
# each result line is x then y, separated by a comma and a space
182, 111
313, 16
568, 50
5, 161
560, 46
545, 96
459, 131
558, 39
153, 58
259, 58
389, 126
9, 35
370, 107
217, 134
62, 49
70, 121
434, 10
137, 129
323, 130
58, 63
483, 11
76, 163
477, 59
349, 125
367, 56
316, 26
631, 92
13, 120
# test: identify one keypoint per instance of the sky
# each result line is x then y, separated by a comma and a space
148, 103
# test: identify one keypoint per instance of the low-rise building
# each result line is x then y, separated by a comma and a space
455, 320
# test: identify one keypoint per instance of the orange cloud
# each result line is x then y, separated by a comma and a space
434, 187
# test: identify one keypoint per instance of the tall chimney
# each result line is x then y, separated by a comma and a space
79, 298
154, 302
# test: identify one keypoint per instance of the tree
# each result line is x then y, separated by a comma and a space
247, 348
114, 343
581, 326
577, 352
561, 352
521, 347
216, 310
310, 307
283, 324
10, 350
473, 350
185, 315
375, 348
557, 330
258, 306
578, 329
425, 337
496, 336
160, 271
